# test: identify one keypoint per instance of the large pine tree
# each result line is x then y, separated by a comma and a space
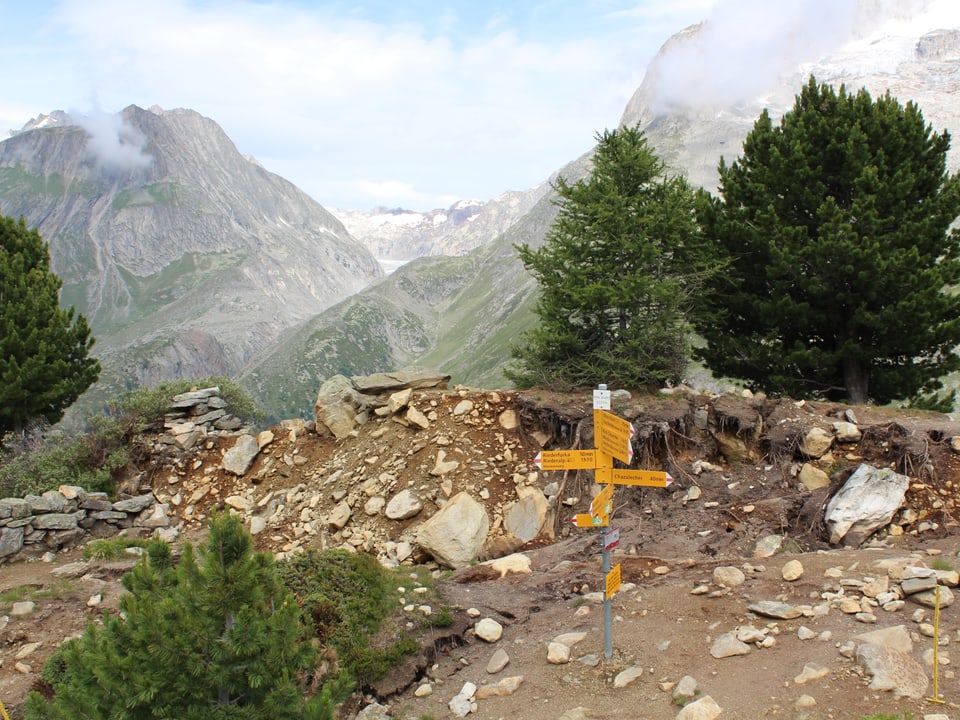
44, 349
616, 274
215, 639
837, 225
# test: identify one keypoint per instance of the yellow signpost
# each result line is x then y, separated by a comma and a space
566, 459
613, 435
613, 439
612, 583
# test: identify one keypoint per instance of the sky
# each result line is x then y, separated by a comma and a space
392, 103
395, 103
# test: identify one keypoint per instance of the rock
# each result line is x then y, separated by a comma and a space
816, 443
498, 661
374, 711
686, 689
425, 690
514, 563
238, 459
768, 546
570, 639
749, 634
913, 585
405, 504
558, 653
339, 516
811, 671
728, 576
846, 432
454, 535
135, 504
625, 677
706, 708
577, 713
508, 420
417, 418
867, 501
893, 670
463, 407
335, 409
462, 703
442, 465
812, 477
506, 687
411, 377
22, 607
928, 598
727, 645
525, 518
488, 629
774, 609
792, 570
375, 505
399, 400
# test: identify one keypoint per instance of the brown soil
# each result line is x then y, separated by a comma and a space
670, 543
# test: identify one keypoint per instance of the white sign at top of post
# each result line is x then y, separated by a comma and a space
601, 398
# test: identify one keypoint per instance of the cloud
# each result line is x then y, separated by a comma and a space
114, 145
745, 47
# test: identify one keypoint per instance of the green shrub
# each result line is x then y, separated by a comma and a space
353, 603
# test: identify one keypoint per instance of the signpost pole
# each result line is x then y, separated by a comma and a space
607, 605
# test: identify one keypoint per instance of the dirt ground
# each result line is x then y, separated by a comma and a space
671, 540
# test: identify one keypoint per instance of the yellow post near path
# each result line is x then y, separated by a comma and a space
3, 712
936, 643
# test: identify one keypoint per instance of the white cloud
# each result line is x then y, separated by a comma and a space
445, 107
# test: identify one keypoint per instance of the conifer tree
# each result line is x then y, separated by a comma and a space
44, 363
214, 636
616, 275
837, 225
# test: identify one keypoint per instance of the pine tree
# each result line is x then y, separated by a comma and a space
616, 274
44, 363
211, 637
837, 225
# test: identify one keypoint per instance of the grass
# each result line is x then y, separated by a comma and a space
29, 592
941, 563
111, 548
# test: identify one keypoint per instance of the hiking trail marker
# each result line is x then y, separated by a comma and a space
613, 440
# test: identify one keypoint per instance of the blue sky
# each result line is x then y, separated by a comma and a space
398, 103
404, 103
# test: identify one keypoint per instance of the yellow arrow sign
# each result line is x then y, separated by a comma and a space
644, 478
566, 459
612, 435
603, 503
583, 520
613, 581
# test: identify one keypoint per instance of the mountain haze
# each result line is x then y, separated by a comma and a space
187, 257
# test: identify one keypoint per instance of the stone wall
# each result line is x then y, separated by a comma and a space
37, 524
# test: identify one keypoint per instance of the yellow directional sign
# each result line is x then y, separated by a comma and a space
644, 478
583, 520
612, 581
602, 504
612, 435
566, 459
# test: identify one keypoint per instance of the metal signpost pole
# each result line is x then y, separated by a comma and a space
607, 604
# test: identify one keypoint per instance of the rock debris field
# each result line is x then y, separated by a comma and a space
803, 563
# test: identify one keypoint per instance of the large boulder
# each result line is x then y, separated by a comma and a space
414, 377
525, 518
867, 501
238, 459
455, 534
336, 407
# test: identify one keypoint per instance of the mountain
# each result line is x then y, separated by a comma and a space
461, 315
187, 257
397, 236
